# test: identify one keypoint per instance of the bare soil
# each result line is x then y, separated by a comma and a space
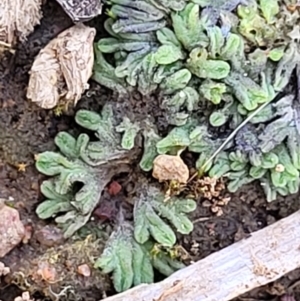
26, 130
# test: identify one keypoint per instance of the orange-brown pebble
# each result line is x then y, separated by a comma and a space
47, 272
168, 168
84, 270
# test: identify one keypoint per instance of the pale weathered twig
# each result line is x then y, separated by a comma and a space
262, 258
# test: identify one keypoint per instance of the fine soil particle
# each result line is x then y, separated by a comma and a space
26, 130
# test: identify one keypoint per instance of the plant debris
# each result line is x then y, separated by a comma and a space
18, 19
55, 270
213, 193
60, 72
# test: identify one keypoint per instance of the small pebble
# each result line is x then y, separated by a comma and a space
84, 270
168, 168
49, 236
12, 229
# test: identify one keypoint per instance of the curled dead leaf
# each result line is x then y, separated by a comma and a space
18, 17
167, 168
62, 69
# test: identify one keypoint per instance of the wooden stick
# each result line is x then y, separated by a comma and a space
264, 257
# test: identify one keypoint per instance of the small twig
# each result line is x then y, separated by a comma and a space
5, 44
234, 133
63, 292
229, 138
201, 219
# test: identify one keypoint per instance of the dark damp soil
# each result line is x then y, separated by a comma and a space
26, 130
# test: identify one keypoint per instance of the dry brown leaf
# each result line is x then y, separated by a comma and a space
167, 168
18, 17
62, 69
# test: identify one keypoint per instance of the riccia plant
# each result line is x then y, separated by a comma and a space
81, 170
129, 251
233, 58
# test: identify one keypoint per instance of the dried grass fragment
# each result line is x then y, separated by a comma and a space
62, 69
